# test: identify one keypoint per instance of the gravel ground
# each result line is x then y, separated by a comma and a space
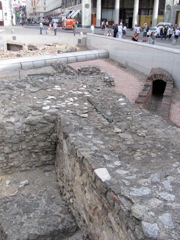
130, 82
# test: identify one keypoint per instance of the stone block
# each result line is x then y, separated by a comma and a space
27, 65
81, 58
39, 63
71, 59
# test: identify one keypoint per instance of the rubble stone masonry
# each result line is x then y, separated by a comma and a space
117, 166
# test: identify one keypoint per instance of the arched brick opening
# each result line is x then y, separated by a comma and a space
158, 87
159, 83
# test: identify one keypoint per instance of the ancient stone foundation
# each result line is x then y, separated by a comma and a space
117, 166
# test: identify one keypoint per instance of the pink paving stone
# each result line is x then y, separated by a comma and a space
125, 82
128, 82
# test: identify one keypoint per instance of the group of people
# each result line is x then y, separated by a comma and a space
168, 32
104, 24
119, 30
52, 26
144, 29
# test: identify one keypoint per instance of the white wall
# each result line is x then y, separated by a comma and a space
140, 56
52, 4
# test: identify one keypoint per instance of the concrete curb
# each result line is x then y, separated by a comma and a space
44, 61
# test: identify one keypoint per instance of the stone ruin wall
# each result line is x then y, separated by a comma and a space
34, 139
82, 143
28, 143
100, 212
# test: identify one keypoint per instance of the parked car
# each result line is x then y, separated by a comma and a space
46, 22
163, 24
156, 31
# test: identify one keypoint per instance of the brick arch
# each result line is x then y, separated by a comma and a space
144, 96
160, 74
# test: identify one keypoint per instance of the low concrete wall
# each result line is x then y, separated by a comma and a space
140, 56
25, 63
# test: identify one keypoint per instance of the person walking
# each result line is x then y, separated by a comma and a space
176, 34
170, 32
107, 24
74, 29
120, 30
145, 30
41, 27
124, 30
55, 28
162, 33
92, 28
115, 28
137, 29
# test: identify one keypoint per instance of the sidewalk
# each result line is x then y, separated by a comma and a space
32, 35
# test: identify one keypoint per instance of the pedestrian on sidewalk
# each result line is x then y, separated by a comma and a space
145, 30
115, 28
120, 30
92, 28
55, 28
176, 34
170, 32
74, 29
41, 27
124, 30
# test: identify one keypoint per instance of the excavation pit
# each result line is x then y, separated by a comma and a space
14, 47
104, 150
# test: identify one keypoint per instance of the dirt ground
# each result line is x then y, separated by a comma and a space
31, 50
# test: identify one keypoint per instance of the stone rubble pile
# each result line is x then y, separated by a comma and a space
35, 50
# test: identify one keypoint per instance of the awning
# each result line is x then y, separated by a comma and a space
72, 15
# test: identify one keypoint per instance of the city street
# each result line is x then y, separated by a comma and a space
34, 31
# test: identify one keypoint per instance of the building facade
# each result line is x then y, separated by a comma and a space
10, 10
38, 9
130, 12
